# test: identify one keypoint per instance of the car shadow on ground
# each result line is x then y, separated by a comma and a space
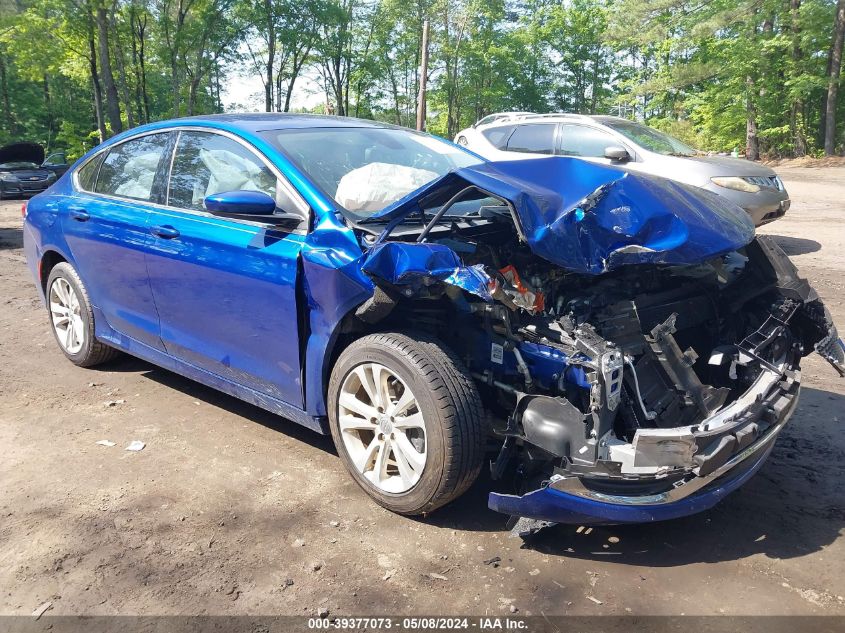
796, 245
208, 395
11, 238
793, 507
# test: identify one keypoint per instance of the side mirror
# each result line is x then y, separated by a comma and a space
248, 205
614, 152
240, 203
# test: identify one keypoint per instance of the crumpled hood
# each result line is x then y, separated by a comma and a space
591, 218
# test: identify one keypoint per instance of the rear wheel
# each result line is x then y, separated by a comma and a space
407, 421
72, 319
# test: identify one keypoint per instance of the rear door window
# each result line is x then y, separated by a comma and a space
129, 169
583, 140
535, 138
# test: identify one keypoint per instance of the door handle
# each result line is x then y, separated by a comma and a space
80, 215
165, 232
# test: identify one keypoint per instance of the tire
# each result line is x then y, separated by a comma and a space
89, 351
448, 402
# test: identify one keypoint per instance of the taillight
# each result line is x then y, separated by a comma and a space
23, 210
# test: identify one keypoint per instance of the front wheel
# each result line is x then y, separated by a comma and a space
407, 421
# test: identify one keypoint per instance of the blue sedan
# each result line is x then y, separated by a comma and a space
615, 347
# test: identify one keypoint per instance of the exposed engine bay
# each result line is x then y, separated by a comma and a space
632, 382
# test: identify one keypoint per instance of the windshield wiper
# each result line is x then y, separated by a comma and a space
442, 211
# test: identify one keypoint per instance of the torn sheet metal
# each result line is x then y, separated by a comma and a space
416, 265
591, 218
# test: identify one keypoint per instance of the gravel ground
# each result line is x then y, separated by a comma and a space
230, 510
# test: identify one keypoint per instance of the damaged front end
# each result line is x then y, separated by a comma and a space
640, 375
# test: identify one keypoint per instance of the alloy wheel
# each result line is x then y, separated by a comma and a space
382, 427
65, 312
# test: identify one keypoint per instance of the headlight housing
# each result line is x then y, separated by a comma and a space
736, 183
8, 177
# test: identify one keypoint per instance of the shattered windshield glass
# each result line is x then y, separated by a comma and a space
366, 169
651, 139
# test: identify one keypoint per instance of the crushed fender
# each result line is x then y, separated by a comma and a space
414, 267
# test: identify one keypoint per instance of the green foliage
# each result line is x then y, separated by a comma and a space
720, 74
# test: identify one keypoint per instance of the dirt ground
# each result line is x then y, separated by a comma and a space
230, 510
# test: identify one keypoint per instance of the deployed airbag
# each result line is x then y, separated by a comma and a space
140, 172
371, 187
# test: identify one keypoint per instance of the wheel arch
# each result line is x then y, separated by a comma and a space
348, 329
49, 259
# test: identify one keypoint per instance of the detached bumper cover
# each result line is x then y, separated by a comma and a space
569, 500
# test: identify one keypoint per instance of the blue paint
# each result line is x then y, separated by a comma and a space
109, 252
225, 295
255, 311
559, 507
591, 218
416, 265
246, 202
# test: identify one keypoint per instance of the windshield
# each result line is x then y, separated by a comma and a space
651, 139
18, 164
365, 170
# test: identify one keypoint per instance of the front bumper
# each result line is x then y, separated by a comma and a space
767, 205
571, 499
23, 188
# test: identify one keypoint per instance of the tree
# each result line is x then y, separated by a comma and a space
112, 100
834, 66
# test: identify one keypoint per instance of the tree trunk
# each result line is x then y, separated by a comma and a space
174, 79
139, 109
217, 87
142, 66
271, 55
278, 97
8, 120
299, 59
796, 115
95, 82
48, 106
192, 93
833, 80
121, 73
288, 95
112, 101
752, 142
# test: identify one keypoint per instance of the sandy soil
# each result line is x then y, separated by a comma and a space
230, 510
806, 161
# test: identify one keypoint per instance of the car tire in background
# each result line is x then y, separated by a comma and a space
407, 421
72, 319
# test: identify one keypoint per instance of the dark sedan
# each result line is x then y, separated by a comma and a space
21, 170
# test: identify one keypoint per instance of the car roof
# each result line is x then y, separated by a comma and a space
260, 121
551, 117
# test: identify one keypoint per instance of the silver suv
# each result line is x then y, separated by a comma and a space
636, 147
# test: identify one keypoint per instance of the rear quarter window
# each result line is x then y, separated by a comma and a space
498, 136
86, 177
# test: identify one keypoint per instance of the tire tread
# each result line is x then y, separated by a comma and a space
458, 402
98, 352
